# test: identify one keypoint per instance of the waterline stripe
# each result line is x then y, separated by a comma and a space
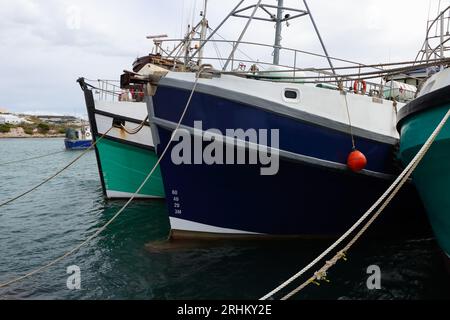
111, 194
185, 225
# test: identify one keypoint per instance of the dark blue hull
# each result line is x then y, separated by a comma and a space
77, 144
300, 200
308, 199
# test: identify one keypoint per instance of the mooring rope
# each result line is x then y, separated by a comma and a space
56, 174
134, 130
75, 249
33, 158
394, 188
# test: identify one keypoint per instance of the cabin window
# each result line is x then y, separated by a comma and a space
291, 95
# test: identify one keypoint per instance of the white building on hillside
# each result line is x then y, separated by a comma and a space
11, 119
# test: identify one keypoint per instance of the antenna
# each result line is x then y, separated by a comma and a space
157, 36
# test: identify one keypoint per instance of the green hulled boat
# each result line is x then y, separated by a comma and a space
126, 154
125, 167
416, 121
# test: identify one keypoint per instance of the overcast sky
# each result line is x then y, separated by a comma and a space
45, 45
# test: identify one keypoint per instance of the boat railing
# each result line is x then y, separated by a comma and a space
110, 90
437, 35
343, 75
107, 90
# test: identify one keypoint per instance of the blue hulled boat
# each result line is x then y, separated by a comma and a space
312, 193
77, 144
78, 139
266, 152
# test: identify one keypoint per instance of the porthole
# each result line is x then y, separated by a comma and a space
291, 95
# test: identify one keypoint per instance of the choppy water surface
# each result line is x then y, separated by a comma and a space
117, 265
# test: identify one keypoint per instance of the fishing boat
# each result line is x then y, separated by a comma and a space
416, 121
301, 127
125, 154
78, 139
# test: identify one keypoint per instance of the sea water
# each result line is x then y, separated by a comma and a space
119, 264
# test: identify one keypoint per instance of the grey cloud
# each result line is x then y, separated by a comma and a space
41, 56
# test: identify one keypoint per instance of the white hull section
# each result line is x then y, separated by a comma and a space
185, 225
133, 110
143, 137
110, 194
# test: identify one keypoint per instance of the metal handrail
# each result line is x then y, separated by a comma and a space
320, 77
103, 93
270, 46
296, 52
426, 45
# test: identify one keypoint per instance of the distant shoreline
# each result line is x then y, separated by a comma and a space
20, 133
34, 136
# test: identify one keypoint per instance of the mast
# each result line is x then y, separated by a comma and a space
204, 24
187, 45
278, 29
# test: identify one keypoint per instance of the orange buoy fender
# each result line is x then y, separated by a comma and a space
356, 161
356, 87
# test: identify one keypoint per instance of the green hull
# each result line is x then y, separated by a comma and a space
125, 167
432, 176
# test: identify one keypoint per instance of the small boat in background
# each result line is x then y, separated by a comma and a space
78, 139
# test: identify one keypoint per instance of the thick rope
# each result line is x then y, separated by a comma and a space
398, 183
48, 265
134, 130
33, 158
322, 273
56, 174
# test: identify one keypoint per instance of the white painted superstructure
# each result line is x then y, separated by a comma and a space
375, 116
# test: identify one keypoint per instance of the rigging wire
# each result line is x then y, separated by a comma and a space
216, 48
32, 158
55, 174
243, 53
